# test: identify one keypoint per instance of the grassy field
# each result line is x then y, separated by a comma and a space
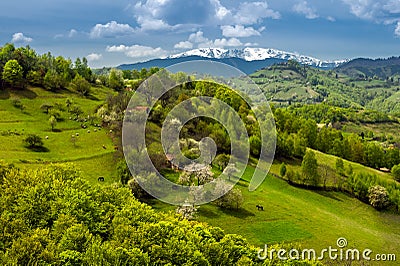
92, 152
313, 219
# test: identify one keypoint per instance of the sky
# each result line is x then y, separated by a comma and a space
110, 33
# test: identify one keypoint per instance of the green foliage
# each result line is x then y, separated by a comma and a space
52, 122
53, 80
53, 217
378, 197
309, 168
81, 85
33, 141
115, 80
282, 169
339, 166
396, 172
12, 73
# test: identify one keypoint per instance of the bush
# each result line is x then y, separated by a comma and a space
378, 197
231, 200
33, 141
81, 85
396, 172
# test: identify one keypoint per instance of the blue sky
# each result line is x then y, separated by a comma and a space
109, 32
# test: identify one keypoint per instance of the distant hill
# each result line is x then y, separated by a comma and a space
247, 67
363, 67
247, 60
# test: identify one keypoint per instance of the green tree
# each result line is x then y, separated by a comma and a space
33, 141
81, 85
309, 167
12, 73
396, 172
282, 169
52, 122
115, 80
76, 110
46, 107
339, 166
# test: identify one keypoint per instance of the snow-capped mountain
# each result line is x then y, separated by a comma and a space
257, 54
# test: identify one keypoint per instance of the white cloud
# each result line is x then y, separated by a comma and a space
72, 33
397, 29
184, 45
304, 9
148, 15
110, 29
94, 57
330, 18
203, 42
247, 44
221, 12
253, 12
137, 51
19, 37
197, 37
239, 31
231, 42
184, 15
378, 11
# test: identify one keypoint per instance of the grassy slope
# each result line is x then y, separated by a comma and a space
315, 219
88, 153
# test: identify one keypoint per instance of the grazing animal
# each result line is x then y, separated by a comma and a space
115, 148
104, 147
260, 208
47, 137
77, 134
101, 179
88, 131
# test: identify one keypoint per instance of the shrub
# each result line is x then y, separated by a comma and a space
378, 197
33, 141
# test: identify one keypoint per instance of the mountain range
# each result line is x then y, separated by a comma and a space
247, 59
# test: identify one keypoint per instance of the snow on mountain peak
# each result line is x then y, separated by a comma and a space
253, 54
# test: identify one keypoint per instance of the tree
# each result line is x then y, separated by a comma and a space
68, 103
188, 211
231, 200
76, 110
230, 170
123, 172
282, 169
196, 175
81, 85
339, 166
52, 122
33, 141
396, 172
115, 80
378, 197
46, 107
12, 73
309, 167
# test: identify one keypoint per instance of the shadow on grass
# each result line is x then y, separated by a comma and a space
239, 213
4, 94
328, 195
91, 97
24, 93
38, 149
